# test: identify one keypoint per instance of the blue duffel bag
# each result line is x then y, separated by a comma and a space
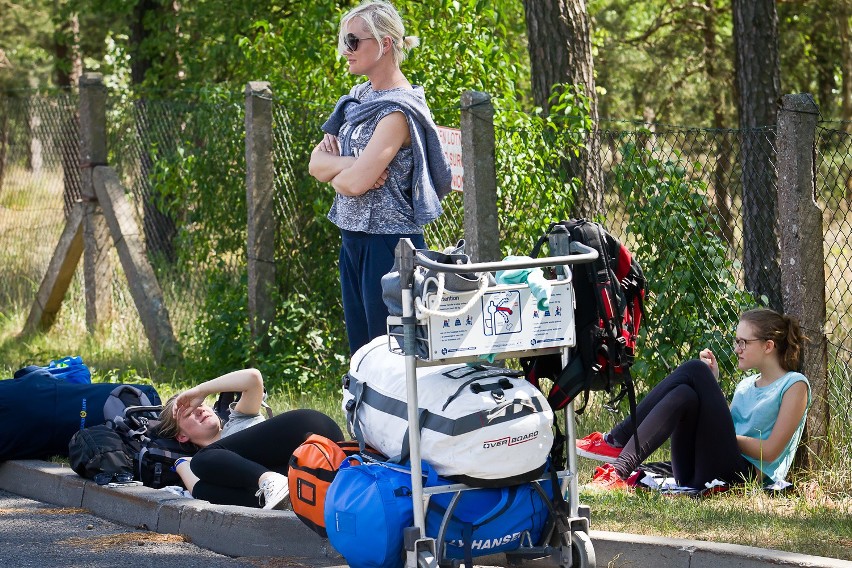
367, 507
369, 504
72, 369
490, 520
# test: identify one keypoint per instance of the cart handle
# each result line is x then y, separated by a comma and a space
439, 295
583, 254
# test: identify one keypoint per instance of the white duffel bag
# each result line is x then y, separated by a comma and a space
484, 426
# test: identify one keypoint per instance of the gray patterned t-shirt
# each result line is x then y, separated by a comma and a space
387, 209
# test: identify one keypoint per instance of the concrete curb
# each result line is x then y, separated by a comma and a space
617, 550
234, 531
238, 531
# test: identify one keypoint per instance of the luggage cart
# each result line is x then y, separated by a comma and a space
566, 543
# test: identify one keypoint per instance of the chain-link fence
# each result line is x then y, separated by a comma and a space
39, 140
834, 197
674, 195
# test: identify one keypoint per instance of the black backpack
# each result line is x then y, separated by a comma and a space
153, 456
99, 449
129, 443
609, 298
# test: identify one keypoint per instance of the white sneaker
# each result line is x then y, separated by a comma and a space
273, 491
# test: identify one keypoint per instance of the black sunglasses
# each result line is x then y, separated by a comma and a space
119, 477
351, 41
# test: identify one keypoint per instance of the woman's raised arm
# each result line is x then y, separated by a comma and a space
248, 382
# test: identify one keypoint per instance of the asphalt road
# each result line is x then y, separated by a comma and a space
38, 534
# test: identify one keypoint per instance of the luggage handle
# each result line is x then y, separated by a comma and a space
581, 254
435, 311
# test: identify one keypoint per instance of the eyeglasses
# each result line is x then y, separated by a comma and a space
121, 477
351, 41
740, 343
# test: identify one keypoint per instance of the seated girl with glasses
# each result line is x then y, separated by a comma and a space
755, 438
244, 462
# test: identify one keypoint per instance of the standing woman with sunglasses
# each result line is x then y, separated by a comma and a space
381, 153
755, 438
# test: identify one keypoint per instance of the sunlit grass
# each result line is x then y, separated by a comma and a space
791, 522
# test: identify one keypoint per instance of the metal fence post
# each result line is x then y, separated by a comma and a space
262, 223
97, 266
481, 229
802, 262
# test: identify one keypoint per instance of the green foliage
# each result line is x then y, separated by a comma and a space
301, 352
532, 150
462, 43
220, 339
306, 350
693, 297
198, 176
26, 32
663, 60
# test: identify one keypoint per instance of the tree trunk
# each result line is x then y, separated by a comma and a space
825, 52
35, 147
561, 52
758, 82
722, 167
844, 12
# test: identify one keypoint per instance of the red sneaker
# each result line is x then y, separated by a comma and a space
606, 479
595, 447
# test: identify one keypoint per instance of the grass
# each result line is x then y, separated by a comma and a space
793, 523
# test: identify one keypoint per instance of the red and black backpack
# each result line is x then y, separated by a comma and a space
609, 300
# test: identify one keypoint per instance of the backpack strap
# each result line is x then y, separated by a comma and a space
122, 397
540, 242
631, 398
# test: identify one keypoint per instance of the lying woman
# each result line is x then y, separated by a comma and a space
244, 462
755, 438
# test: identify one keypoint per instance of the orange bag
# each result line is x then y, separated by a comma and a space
313, 466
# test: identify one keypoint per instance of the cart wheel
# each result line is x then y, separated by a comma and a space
582, 551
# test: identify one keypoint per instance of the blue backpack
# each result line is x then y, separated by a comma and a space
369, 504
72, 369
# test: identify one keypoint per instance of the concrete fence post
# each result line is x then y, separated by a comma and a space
262, 222
97, 265
802, 259
481, 229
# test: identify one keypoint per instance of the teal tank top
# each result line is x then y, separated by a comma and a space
755, 410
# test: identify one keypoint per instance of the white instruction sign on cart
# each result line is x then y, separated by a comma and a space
506, 318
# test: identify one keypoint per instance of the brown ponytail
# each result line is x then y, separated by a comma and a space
783, 330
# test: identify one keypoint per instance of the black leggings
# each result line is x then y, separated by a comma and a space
687, 406
228, 470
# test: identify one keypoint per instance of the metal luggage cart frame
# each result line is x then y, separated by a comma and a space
566, 543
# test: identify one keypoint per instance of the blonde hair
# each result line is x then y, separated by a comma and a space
169, 427
381, 20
